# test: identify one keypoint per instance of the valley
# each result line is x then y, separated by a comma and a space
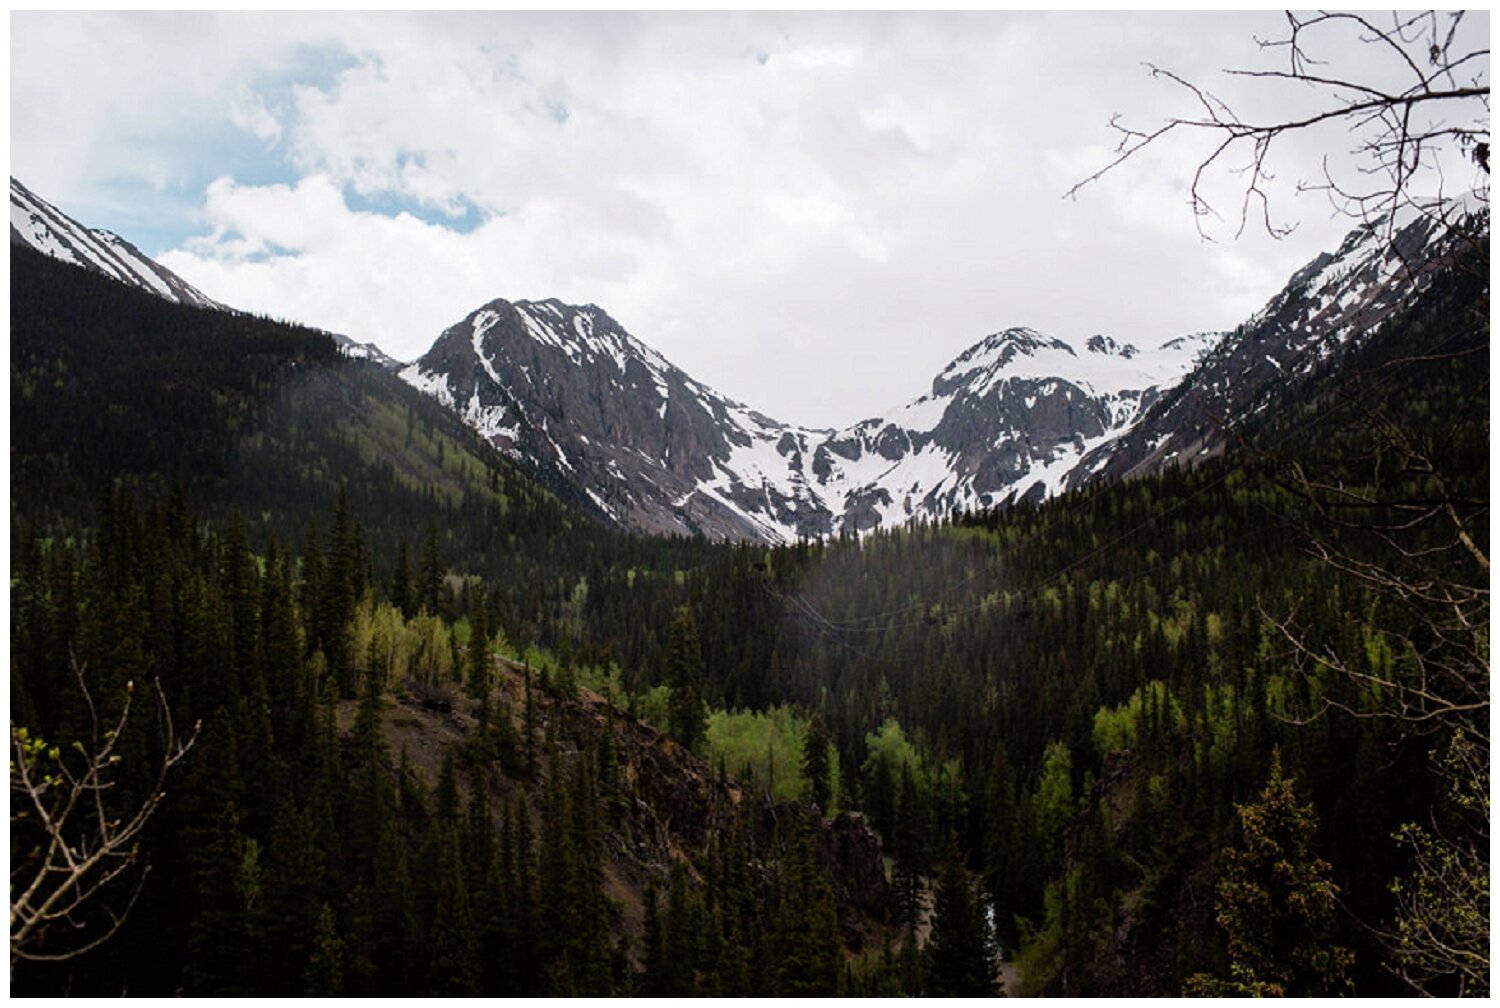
536, 666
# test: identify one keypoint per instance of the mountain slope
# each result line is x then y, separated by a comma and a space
570, 389
39, 224
567, 387
1326, 309
1018, 416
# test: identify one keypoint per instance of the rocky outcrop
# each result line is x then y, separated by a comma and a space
672, 807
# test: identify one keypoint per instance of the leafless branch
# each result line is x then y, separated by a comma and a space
59, 795
1397, 131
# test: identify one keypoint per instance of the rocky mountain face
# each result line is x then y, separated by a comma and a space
568, 388
35, 222
1327, 308
1020, 415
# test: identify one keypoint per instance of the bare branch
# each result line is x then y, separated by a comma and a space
88, 844
1395, 129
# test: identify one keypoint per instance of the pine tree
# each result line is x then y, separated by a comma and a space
1002, 827
806, 942
289, 902
401, 587
654, 959
324, 976
478, 679
431, 584
451, 953
1276, 903
684, 938
688, 714
910, 849
958, 954
815, 762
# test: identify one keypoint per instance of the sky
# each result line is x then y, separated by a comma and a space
811, 213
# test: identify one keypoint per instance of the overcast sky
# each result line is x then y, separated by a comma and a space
813, 214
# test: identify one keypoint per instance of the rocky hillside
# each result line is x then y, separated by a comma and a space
568, 388
1326, 309
672, 807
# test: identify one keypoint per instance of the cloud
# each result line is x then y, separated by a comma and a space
813, 213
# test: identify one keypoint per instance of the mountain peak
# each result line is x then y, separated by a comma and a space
1101, 344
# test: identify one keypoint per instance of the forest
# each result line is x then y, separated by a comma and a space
406, 721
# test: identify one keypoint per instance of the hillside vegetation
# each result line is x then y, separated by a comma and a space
420, 679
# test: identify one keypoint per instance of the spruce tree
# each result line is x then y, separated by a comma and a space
806, 944
910, 849
401, 586
959, 963
478, 678
688, 713
324, 976
815, 762
1276, 904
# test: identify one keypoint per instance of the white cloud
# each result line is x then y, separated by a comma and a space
812, 213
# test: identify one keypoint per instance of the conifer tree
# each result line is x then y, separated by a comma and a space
910, 843
684, 938
958, 954
1276, 903
401, 587
451, 954
1002, 828
806, 943
478, 679
430, 596
324, 976
397, 954
654, 960
688, 715
815, 762
289, 902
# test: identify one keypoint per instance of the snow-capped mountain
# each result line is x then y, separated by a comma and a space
1018, 416
1326, 307
39, 224
567, 388
1010, 418
35, 222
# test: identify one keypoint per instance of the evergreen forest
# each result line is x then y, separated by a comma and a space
314, 692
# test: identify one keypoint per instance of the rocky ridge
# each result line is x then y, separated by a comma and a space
566, 387
1020, 415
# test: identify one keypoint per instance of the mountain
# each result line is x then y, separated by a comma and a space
657, 451
1008, 419
1327, 309
39, 224
36, 223
1020, 415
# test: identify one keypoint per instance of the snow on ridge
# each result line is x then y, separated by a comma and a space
47, 229
899, 464
432, 384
